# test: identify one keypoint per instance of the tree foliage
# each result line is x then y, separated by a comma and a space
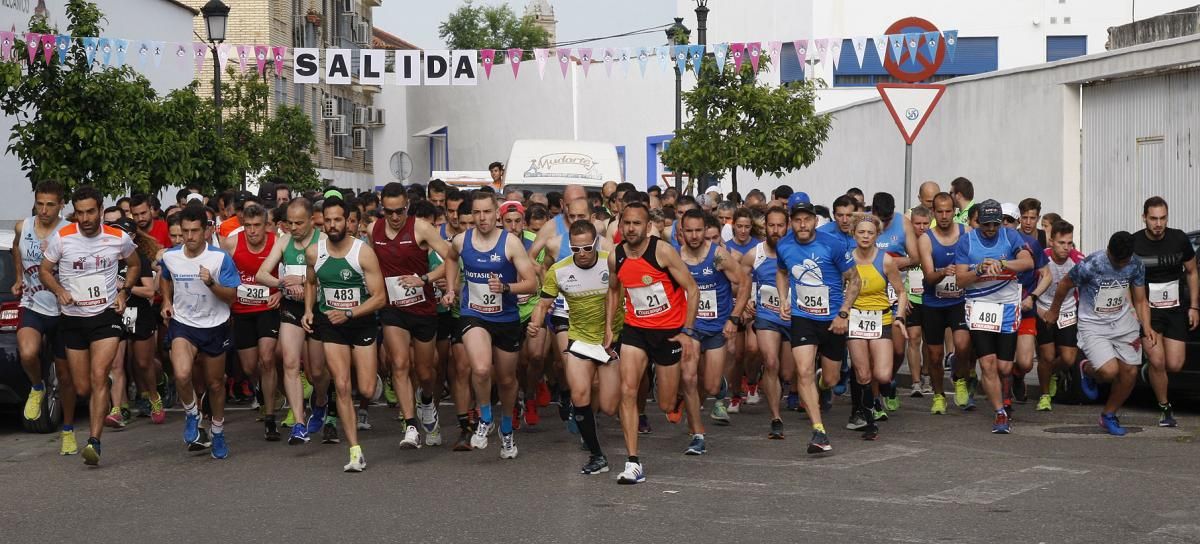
491, 27
737, 122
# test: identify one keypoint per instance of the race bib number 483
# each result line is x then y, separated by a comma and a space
341, 299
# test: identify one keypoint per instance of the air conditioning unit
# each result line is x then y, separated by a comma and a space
363, 33
377, 117
348, 6
360, 116
360, 138
338, 127
330, 110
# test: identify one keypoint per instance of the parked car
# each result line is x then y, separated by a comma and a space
14, 384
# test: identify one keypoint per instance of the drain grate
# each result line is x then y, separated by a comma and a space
1087, 429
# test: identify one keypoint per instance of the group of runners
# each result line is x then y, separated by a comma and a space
504, 302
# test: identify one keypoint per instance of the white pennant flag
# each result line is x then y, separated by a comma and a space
835, 51
860, 48
881, 47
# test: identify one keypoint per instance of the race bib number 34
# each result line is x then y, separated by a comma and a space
707, 309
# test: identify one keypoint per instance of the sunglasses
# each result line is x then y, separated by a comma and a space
584, 249
391, 211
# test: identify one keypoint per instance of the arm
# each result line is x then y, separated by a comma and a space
932, 274
784, 286
1044, 281
910, 247
737, 276
1142, 307
427, 233
614, 300
224, 286
229, 243
46, 271
527, 279
18, 286
853, 285
892, 269
1193, 281
674, 265
264, 276
133, 273
1021, 263
310, 288
373, 277
1064, 286
548, 231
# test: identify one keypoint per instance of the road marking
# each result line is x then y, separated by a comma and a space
1003, 486
837, 462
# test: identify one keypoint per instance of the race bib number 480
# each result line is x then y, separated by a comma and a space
985, 316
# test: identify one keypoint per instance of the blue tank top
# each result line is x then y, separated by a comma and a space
477, 300
891, 240
943, 256
564, 246
743, 249
716, 294
815, 269
766, 295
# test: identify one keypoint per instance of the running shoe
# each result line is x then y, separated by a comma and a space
819, 443
871, 432
857, 421
143, 407
299, 435
220, 450
939, 405
1167, 417
518, 410
793, 402
1087, 385
508, 447
191, 428
892, 403
479, 440
329, 434
752, 396
531, 413
290, 420
464, 441
948, 361
389, 394
1000, 425
825, 398
428, 415
357, 463
33, 404
412, 438
597, 464
542, 397
202, 441
735, 406
676, 415
926, 386
91, 452
305, 386
363, 420
1111, 424
114, 419
271, 432
1044, 404
1020, 392
879, 415
776, 430
316, 418
644, 424
961, 394
69, 447
633, 474
696, 446
719, 414
158, 415
917, 392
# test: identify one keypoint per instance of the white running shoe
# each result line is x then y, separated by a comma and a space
633, 474
433, 437
364, 424
357, 462
479, 440
412, 439
752, 396
428, 415
508, 448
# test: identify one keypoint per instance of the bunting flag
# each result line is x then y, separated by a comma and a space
951, 39
913, 41
89, 49
696, 53
881, 46
564, 61
7, 39
860, 48
897, 42
541, 55
627, 56
487, 56
223, 56
738, 49
33, 40
260, 56
664, 57
199, 50
820, 50
801, 47
720, 53
160, 51
931, 42
182, 54
609, 53
62, 43
47, 47
122, 49
774, 48
835, 51
644, 54
585, 59
679, 53
753, 50
143, 50
243, 55
279, 56
514, 58
106, 49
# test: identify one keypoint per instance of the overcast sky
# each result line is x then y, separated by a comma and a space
417, 20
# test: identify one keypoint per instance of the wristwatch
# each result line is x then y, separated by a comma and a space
349, 314
424, 278
505, 288
690, 332
843, 315
737, 320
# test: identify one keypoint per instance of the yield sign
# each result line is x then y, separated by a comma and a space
910, 105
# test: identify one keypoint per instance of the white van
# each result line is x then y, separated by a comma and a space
550, 165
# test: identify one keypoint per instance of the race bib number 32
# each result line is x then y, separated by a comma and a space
480, 298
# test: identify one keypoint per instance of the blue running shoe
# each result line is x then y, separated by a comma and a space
1001, 425
220, 450
1088, 385
696, 446
1111, 424
299, 435
793, 402
316, 420
191, 428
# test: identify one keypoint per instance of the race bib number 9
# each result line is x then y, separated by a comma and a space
649, 300
89, 290
707, 309
1164, 295
866, 324
341, 299
813, 300
480, 298
985, 316
402, 295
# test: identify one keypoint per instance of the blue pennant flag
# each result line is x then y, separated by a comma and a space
679, 53
951, 38
720, 51
897, 43
106, 48
62, 43
932, 40
89, 49
913, 43
696, 52
122, 48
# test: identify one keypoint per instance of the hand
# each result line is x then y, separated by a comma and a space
273, 300
494, 284
65, 298
533, 329
205, 275
730, 331
120, 306
411, 281
1027, 303
306, 322
688, 344
18, 287
167, 311
903, 331
1151, 337
1193, 318
295, 291
1051, 316
608, 339
448, 298
839, 326
336, 317
440, 283
950, 271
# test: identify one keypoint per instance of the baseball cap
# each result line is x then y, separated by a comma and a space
193, 197
512, 206
126, 224
990, 212
1010, 210
799, 202
332, 193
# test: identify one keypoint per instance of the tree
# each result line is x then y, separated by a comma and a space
491, 27
276, 148
737, 122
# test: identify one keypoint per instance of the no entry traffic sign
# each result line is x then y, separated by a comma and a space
913, 67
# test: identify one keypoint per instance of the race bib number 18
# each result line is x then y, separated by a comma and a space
89, 290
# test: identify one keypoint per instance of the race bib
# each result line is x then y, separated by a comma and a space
866, 324
948, 288
89, 290
892, 298
1110, 300
295, 270
1066, 319
129, 319
649, 300
813, 299
341, 299
985, 316
916, 282
480, 298
402, 295
1164, 295
707, 309
768, 298
252, 295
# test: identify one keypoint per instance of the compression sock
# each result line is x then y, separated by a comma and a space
506, 424
820, 428
40, 386
485, 413
425, 398
868, 403
856, 395
190, 408
586, 420
68, 428
634, 459
218, 426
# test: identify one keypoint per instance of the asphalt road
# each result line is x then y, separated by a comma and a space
928, 479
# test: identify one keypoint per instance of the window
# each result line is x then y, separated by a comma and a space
369, 153
1065, 47
789, 65
621, 159
974, 55
281, 88
654, 166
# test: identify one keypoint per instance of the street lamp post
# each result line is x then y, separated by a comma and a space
216, 17
675, 34
702, 39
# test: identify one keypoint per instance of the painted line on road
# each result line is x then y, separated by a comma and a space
836, 462
1003, 486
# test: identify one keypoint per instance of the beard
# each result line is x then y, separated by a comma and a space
336, 236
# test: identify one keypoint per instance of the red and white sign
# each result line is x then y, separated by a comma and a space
910, 105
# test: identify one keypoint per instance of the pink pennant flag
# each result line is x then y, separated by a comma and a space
260, 55
564, 60
47, 47
801, 47
585, 59
514, 58
738, 50
243, 53
541, 55
822, 46
488, 56
33, 41
198, 51
775, 48
754, 49
7, 38
278, 55
609, 55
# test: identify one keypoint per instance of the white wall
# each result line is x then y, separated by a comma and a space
122, 19
393, 136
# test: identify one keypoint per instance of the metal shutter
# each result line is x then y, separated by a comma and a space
1065, 47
